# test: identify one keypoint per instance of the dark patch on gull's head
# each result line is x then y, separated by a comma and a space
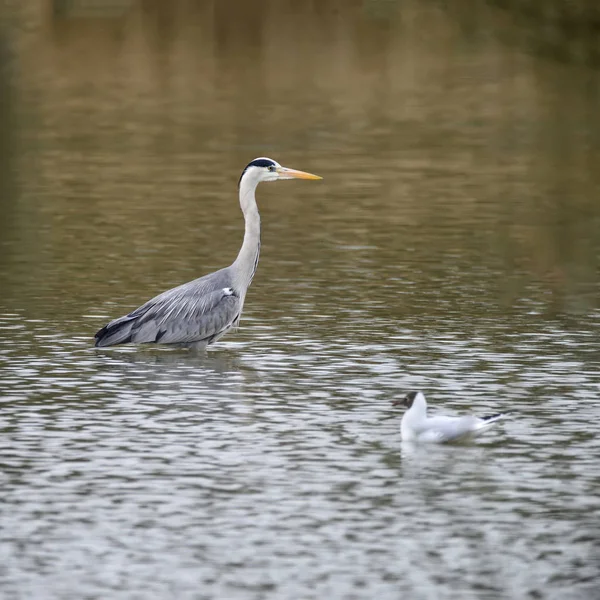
407, 400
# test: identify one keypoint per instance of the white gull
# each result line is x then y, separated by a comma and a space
418, 427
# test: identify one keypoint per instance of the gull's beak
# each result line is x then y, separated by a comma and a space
285, 173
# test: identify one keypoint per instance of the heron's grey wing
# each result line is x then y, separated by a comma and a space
188, 318
176, 312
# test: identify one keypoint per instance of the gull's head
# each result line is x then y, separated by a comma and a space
410, 399
267, 169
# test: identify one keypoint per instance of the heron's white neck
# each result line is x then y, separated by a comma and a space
246, 262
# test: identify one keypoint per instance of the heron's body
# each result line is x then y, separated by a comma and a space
416, 426
200, 312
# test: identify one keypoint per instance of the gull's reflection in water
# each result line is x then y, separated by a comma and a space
436, 461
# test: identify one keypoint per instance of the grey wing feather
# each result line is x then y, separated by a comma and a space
199, 311
190, 320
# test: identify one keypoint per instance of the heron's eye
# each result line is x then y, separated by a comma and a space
272, 168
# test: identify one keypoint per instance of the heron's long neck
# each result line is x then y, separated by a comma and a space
247, 260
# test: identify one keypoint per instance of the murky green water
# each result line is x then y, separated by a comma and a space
453, 246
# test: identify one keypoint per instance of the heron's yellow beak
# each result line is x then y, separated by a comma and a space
285, 173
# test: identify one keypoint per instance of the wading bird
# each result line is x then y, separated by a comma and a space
418, 427
200, 312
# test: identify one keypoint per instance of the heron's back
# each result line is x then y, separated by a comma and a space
195, 312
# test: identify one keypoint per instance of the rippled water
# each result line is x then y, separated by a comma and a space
451, 247
274, 467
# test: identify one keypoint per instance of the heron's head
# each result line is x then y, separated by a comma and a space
266, 169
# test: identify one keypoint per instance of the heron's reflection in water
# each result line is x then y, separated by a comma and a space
179, 375
180, 359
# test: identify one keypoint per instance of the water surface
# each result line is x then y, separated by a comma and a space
451, 247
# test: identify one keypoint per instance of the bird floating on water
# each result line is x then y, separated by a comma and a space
200, 312
418, 427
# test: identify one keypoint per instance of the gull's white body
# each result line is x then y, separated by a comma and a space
418, 427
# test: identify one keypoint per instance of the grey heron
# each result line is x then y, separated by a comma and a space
200, 312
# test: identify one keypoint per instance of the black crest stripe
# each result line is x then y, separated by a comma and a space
258, 162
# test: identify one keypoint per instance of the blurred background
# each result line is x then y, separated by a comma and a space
453, 246
464, 132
